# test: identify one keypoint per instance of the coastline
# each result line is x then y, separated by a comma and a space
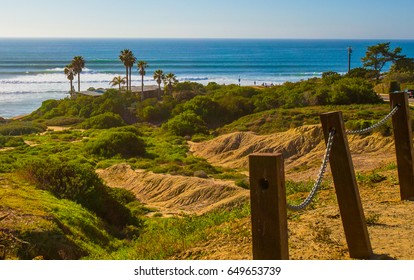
28, 78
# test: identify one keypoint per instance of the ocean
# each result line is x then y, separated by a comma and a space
31, 70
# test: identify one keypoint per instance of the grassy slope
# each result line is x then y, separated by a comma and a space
34, 223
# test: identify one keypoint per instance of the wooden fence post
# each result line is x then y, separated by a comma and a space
403, 139
268, 207
346, 188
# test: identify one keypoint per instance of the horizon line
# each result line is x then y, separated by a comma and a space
201, 38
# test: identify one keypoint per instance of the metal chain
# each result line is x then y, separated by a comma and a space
376, 125
318, 181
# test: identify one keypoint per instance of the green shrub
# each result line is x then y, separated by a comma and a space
78, 182
11, 141
353, 90
358, 124
186, 123
243, 183
123, 196
21, 128
62, 121
103, 121
124, 143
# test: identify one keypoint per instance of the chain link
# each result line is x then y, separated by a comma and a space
376, 125
318, 181
325, 161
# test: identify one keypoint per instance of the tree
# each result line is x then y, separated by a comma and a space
118, 81
159, 76
78, 63
127, 57
170, 80
403, 64
141, 68
70, 74
377, 56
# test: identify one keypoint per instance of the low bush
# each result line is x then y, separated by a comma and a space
186, 123
124, 143
63, 121
103, 121
16, 128
11, 141
78, 182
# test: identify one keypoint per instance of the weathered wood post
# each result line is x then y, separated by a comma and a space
268, 207
403, 139
346, 188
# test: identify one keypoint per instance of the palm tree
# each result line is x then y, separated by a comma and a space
128, 58
123, 58
70, 74
170, 80
117, 81
78, 63
159, 77
141, 68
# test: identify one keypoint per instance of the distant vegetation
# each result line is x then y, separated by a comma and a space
197, 109
122, 127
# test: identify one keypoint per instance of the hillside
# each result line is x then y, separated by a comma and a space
175, 194
315, 233
163, 196
302, 148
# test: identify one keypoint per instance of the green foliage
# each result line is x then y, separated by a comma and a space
371, 178
243, 183
50, 227
11, 141
187, 90
330, 77
361, 72
87, 106
206, 108
63, 121
116, 142
15, 128
77, 182
123, 196
165, 237
394, 86
373, 219
155, 112
378, 55
353, 90
103, 121
186, 123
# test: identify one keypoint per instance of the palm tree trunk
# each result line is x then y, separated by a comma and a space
142, 87
126, 70
71, 86
159, 90
130, 78
78, 82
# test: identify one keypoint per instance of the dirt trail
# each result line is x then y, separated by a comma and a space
175, 194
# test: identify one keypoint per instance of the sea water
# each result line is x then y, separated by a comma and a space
31, 70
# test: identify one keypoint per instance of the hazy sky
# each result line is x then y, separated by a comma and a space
359, 19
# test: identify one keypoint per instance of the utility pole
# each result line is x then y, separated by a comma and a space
349, 59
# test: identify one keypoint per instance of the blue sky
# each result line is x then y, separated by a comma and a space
339, 19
